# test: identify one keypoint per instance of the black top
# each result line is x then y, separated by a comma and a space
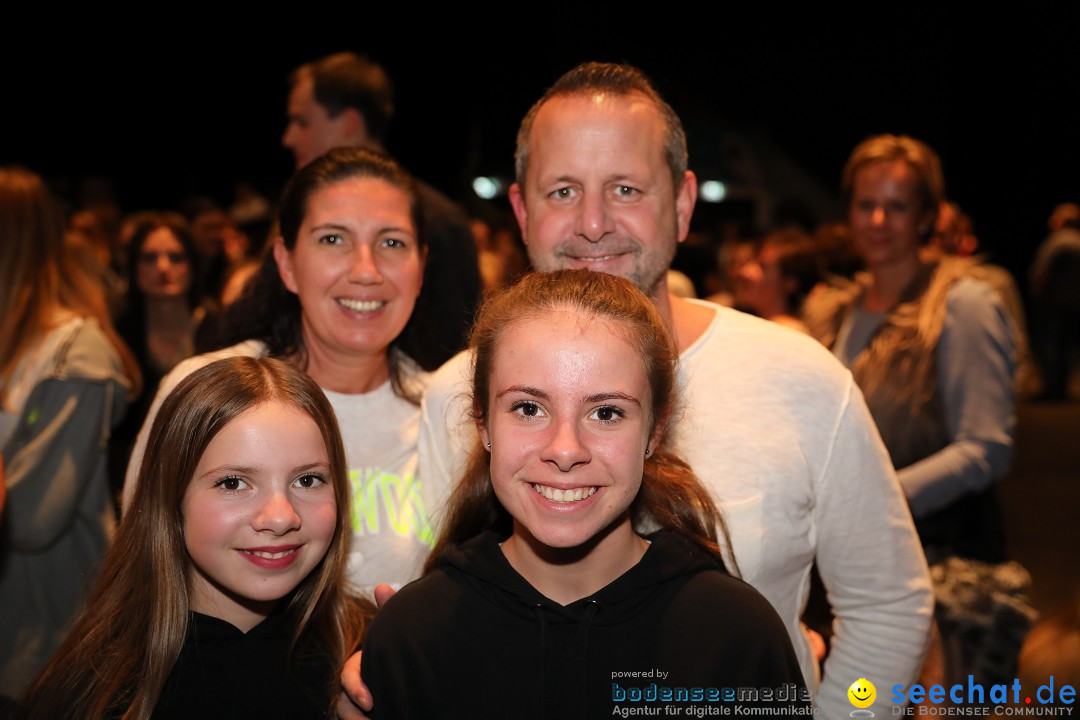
224, 673
474, 640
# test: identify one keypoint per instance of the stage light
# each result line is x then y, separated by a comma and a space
712, 191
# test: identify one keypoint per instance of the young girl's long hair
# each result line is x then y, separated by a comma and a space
37, 276
671, 497
117, 658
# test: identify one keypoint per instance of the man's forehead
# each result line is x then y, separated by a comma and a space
598, 106
568, 128
302, 94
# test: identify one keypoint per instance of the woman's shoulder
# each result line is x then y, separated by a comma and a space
84, 351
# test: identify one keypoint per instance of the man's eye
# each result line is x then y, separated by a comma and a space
331, 240
625, 191
563, 193
394, 243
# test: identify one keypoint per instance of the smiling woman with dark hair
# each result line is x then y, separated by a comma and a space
336, 299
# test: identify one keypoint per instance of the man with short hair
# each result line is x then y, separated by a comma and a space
772, 424
347, 100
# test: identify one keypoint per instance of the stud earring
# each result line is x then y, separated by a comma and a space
489, 446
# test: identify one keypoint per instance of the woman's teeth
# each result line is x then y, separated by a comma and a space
360, 305
563, 496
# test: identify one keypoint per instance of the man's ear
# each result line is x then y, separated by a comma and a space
685, 199
352, 127
283, 258
517, 201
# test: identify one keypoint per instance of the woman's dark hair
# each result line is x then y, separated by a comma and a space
267, 311
671, 496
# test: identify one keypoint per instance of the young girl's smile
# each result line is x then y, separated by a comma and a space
259, 514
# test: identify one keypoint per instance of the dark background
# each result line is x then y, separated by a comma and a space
171, 107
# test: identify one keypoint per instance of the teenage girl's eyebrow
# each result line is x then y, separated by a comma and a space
325, 467
524, 390
601, 397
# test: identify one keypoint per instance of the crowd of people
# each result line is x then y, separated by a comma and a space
588, 475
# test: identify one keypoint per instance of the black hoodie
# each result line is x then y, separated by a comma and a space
473, 639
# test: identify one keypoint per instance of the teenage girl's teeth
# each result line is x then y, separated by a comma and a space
563, 496
360, 305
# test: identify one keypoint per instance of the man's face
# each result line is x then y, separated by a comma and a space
311, 131
598, 191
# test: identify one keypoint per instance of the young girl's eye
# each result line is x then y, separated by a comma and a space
331, 240
310, 480
527, 409
607, 414
393, 242
231, 483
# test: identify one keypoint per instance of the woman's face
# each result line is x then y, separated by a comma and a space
259, 513
164, 269
356, 267
887, 216
569, 422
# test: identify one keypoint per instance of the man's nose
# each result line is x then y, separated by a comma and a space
595, 220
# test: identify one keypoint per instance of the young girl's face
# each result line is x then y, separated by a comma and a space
259, 513
569, 423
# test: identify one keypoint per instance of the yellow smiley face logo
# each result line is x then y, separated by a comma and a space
862, 693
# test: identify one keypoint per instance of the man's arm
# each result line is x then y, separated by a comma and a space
355, 699
871, 564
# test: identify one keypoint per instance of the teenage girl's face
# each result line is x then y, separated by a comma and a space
356, 267
259, 513
569, 423
164, 269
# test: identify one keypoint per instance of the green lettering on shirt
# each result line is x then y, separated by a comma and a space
400, 498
